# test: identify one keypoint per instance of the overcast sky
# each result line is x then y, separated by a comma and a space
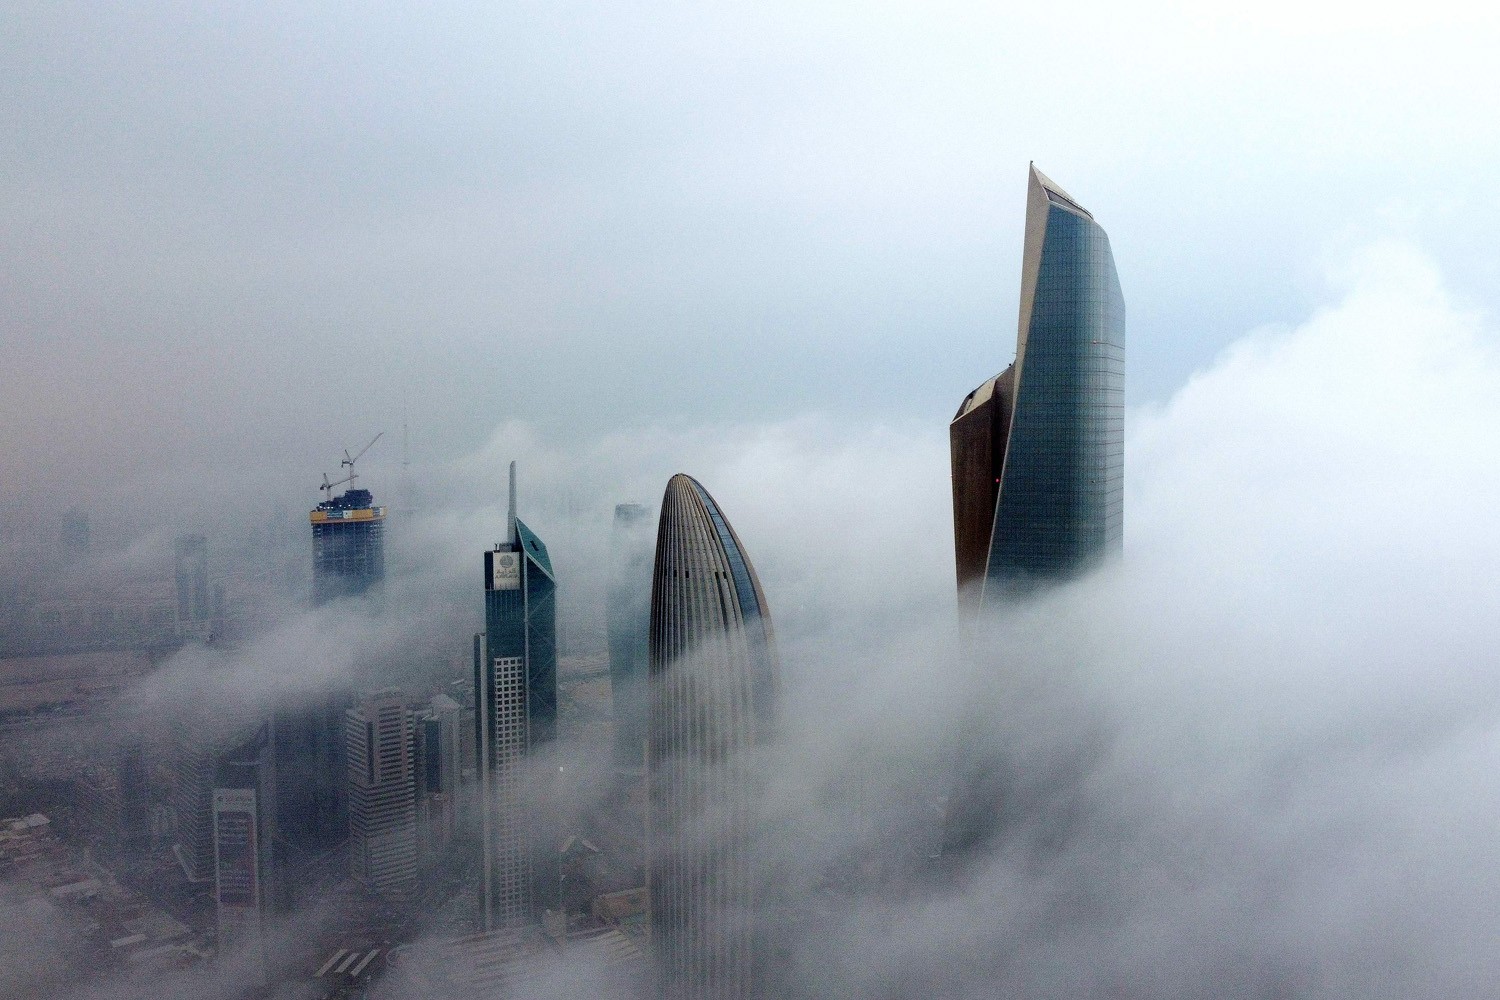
237, 240
1260, 757
774, 248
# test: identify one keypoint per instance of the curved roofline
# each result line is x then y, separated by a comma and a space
728, 538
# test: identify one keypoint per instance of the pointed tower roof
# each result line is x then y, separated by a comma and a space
1056, 194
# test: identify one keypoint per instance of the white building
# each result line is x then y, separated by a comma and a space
380, 739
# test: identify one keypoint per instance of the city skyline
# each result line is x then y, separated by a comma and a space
1228, 722
885, 636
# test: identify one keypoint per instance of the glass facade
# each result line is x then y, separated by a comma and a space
629, 625
523, 622
714, 678
1061, 501
763, 673
515, 681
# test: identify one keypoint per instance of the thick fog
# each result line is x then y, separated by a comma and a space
236, 241
1255, 758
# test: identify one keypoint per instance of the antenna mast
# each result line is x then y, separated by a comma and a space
510, 517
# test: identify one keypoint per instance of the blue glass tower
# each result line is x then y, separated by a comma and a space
1038, 451
515, 681
629, 630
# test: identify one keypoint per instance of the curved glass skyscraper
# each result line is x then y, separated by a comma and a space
714, 678
1038, 450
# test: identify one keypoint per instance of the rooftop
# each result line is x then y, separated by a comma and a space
349, 500
1056, 195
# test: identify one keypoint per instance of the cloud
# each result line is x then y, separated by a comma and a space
1256, 757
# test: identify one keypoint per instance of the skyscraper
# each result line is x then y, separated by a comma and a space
194, 741
313, 796
348, 546
194, 615
439, 769
714, 688
629, 631
207, 748
515, 682
1038, 450
244, 811
381, 750
348, 561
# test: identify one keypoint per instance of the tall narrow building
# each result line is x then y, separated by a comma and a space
244, 811
194, 741
629, 628
194, 614
439, 766
515, 682
348, 546
348, 533
1038, 450
381, 750
714, 689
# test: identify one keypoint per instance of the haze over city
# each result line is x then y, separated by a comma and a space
774, 249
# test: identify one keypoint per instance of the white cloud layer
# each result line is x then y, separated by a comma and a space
1257, 758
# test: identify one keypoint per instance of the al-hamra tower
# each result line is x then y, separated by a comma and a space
1038, 450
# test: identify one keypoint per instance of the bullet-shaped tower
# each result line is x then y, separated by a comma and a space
714, 678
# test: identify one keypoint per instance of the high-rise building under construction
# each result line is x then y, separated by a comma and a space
348, 546
348, 534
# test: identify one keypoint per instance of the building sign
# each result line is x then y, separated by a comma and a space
505, 570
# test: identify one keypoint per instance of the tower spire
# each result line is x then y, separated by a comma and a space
510, 518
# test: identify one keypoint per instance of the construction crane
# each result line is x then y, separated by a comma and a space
328, 487
348, 463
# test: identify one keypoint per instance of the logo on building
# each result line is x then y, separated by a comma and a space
505, 571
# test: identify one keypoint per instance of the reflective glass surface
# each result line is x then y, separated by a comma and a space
1061, 504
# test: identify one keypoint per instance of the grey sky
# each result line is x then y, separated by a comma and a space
774, 248
235, 239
